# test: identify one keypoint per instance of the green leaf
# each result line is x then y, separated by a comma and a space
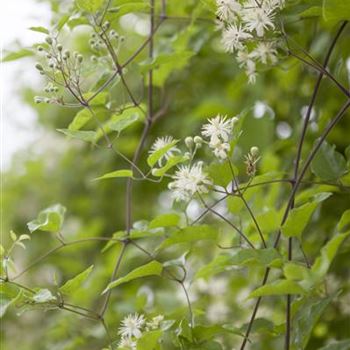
279, 287
205, 333
328, 252
75, 283
80, 119
149, 340
221, 173
244, 257
328, 164
96, 100
174, 59
87, 136
43, 296
308, 313
164, 220
49, 219
125, 119
114, 174
299, 217
313, 11
344, 222
90, 5
190, 234
295, 272
155, 156
170, 164
127, 8
154, 268
8, 295
337, 345
13, 56
40, 30
335, 10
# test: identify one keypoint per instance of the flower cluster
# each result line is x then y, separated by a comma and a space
132, 328
190, 177
218, 131
248, 30
62, 69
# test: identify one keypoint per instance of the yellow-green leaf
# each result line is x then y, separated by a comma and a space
114, 174
154, 268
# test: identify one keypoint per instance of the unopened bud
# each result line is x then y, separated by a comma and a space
66, 53
198, 140
171, 186
48, 39
234, 121
37, 99
106, 25
59, 47
154, 171
189, 141
254, 151
40, 48
38, 66
80, 58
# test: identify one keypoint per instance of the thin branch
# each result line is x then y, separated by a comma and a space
227, 221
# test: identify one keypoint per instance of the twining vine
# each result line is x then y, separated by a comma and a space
250, 32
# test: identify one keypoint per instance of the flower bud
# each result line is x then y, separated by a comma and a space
66, 53
189, 141
171, 186
80, 58
38, 66
48, 39
234, 121
154, 171
254, 151
59, 47
198, 140
187, 155
37, 99
40, 48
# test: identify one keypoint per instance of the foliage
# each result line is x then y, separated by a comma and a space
241, 208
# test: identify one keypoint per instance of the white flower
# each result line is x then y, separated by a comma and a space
127, 343
258, 19
162, 142
220, 149
217, 129
265, 51
227, 9
272, 5
131, 326
188, 181
251, 72
233, 36
243, 57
